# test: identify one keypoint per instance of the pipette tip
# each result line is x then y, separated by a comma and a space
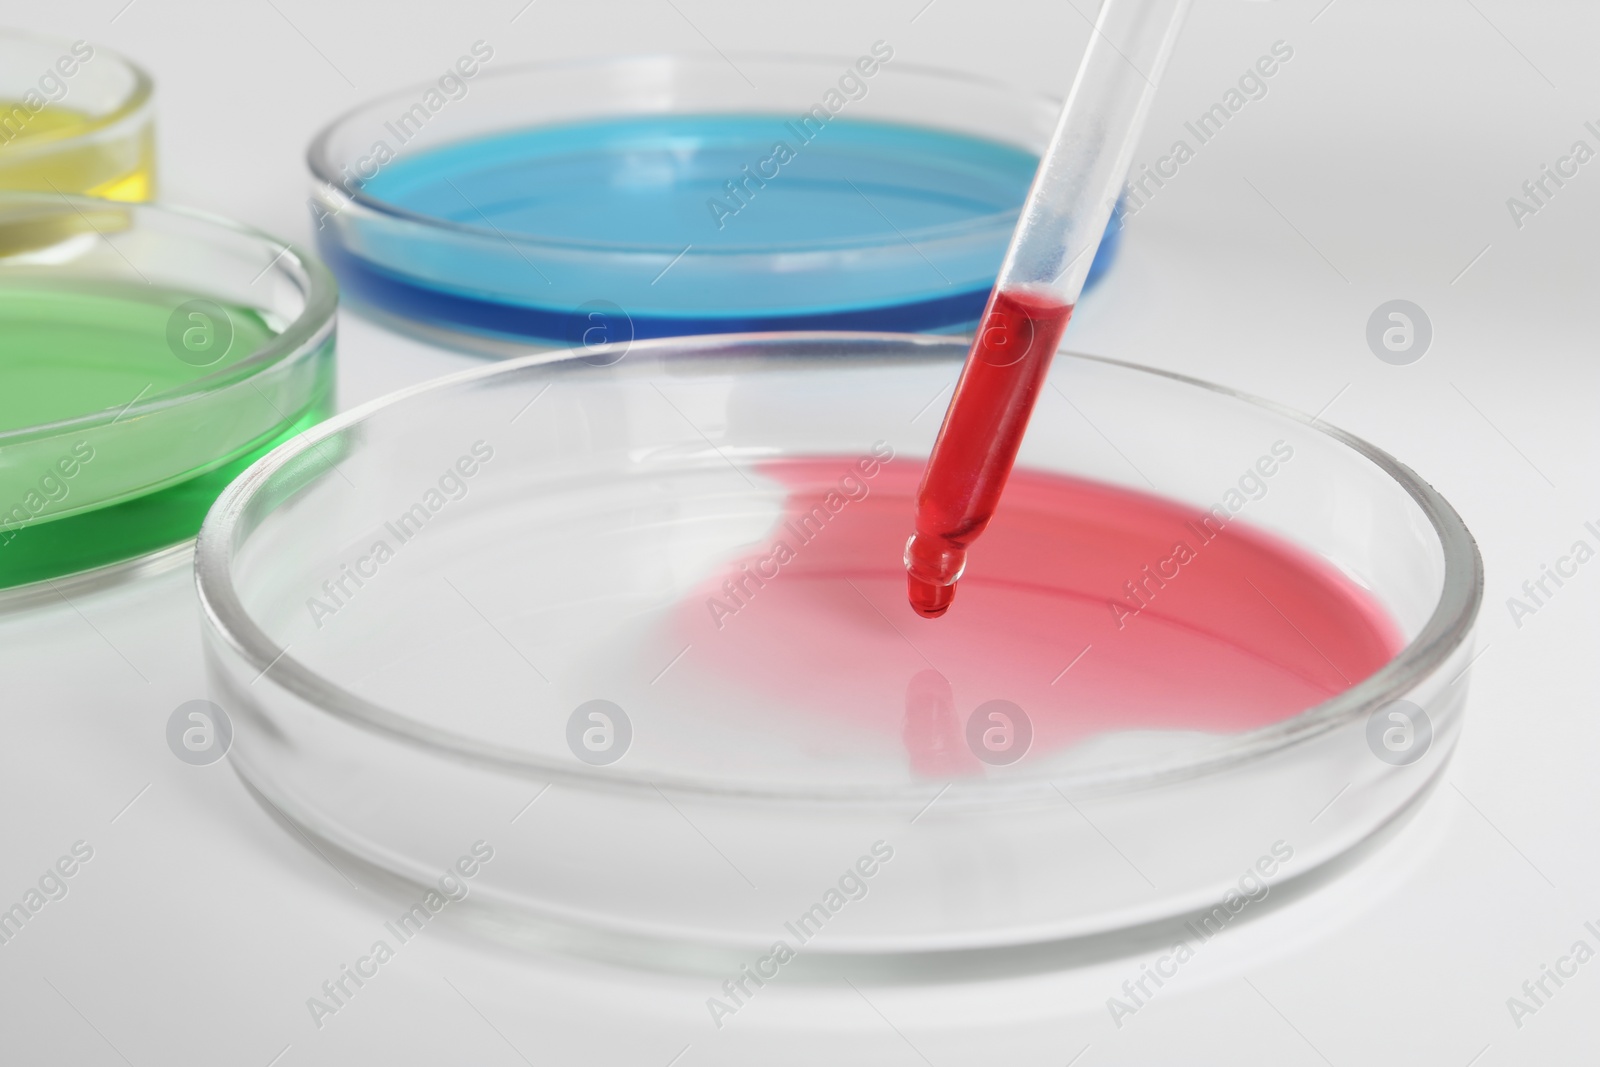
928, 599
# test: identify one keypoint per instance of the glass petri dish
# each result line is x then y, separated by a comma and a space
74, 118
635, 197
150, 355
553, 621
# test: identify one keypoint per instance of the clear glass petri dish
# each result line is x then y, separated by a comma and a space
74, 118
517, 609
150, 354
620, 198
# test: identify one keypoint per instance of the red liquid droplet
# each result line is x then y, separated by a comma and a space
928, 599
978, 442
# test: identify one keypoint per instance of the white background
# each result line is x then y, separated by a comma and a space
1377, 167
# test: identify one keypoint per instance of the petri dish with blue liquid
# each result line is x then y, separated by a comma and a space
619, 199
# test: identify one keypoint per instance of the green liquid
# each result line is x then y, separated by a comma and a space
68, 352
75, 499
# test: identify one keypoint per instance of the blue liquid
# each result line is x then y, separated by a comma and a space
864, 226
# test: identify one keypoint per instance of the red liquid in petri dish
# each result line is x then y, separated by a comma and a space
978, 442
1080, 608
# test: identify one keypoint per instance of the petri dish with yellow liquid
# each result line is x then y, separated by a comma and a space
74, 118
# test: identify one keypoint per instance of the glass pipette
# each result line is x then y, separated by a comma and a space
1063, 218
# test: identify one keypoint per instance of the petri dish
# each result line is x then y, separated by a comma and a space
74, 118
622, 198
150, 354
542, 605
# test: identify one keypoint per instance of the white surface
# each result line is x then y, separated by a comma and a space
1377, 167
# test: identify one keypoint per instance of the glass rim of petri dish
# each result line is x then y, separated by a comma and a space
320, 153
137, 98
305, 331
1440, 639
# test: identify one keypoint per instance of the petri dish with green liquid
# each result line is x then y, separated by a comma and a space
74, 118
148, 355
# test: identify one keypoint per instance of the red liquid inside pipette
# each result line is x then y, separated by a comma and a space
978, 442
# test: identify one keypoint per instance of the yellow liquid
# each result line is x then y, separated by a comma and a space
37, 152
